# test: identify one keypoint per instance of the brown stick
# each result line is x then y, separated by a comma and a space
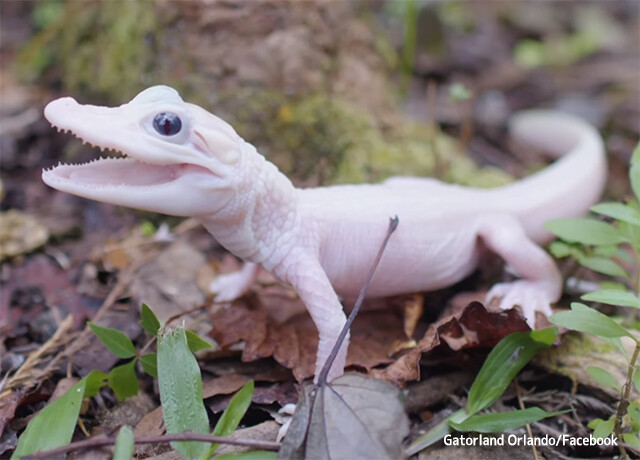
96, 442
322, 378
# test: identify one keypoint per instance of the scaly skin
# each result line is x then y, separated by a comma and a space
322, 241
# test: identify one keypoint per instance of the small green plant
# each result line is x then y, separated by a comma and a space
605, 247
180, 386
122, 379
459, 92
504, 362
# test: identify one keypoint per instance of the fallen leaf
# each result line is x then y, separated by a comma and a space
94, 355
375, 337
226, 384
578, 352
435, 390
30, 288
353, 417
20, 233
474, 327
281, 393
8, 404
168, 283
265, 431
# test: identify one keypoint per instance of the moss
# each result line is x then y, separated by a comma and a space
322, 139
100, 49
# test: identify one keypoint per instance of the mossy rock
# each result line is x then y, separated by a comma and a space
321, 139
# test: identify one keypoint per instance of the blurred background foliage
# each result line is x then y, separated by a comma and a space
333, 92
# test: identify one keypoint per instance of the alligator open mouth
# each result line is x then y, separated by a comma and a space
110, 172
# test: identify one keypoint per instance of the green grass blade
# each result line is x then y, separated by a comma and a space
53, 426
502, 421
436, 433
123, 449
233, 414
181, 392
503, 363
252, 455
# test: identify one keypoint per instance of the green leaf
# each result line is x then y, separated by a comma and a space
501, 421
632, 439
458, 92
632, 234
634, 414
636, 379
147, 228
233, 414
584, 319
507, 358
54, 425
619, 211
634, 178
149, 363
196, 343
436, 433
560, 249
585, 231
117, 342
181, 392
635, 156
123, 449
601, 428
603, 377
253, 455
613, 285
613, 297
124, 381
149, 321
603, 265
95, 381
605, 251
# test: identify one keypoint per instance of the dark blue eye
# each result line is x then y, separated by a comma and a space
167, 123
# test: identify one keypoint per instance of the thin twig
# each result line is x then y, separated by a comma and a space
96, 442
322, 378
34, 358
623, 405
528, 425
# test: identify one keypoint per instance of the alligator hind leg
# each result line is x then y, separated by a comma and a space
541, 284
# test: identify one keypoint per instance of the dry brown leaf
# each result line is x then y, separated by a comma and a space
9, 402
375, 336
20, 233
168, 283
474, 327
224, 385
353, 417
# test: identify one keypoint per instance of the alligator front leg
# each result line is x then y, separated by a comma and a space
314, 288
230, 286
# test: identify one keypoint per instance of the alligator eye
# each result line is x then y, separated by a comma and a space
167, 123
